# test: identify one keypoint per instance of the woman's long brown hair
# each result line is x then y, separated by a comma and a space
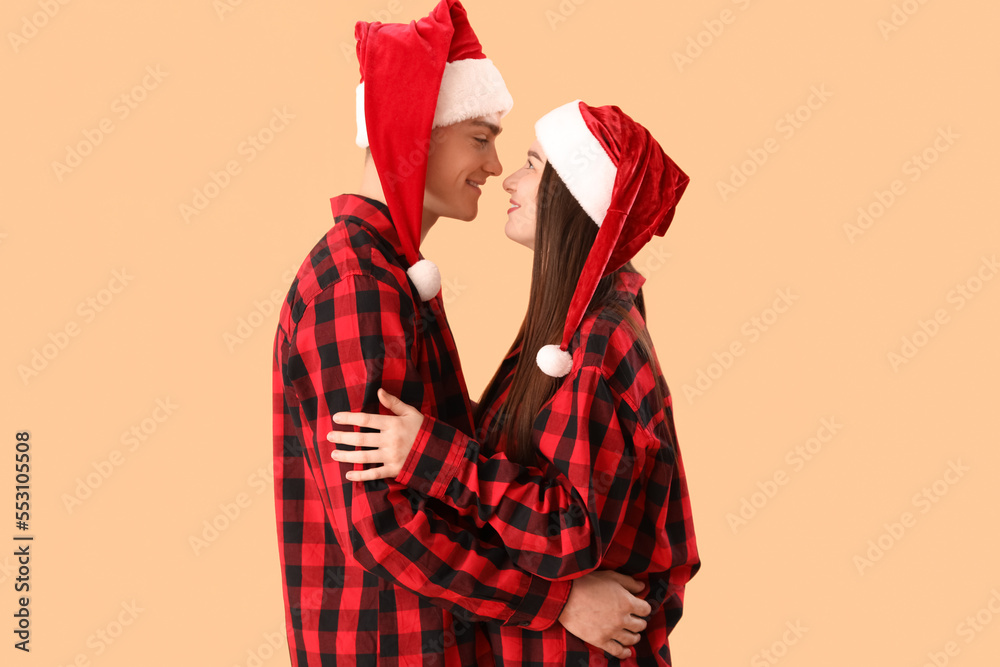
564, 234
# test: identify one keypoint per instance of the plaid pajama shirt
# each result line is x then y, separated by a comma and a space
376, 573
609, 491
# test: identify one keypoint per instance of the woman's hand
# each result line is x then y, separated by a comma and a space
390, 446
603, 610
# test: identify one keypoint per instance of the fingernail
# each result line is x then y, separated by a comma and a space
334, 455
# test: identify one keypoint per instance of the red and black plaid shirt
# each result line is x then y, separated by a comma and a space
376, 573
609, 491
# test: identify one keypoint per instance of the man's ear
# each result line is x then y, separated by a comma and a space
368, 155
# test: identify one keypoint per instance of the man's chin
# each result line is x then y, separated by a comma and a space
465, 215
463, 208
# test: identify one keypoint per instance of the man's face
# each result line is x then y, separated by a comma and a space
461, 157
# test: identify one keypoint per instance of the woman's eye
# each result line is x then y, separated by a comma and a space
529, 165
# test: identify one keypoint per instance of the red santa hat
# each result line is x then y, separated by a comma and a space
415, 77
626, 184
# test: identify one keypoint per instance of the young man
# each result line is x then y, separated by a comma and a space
375, 573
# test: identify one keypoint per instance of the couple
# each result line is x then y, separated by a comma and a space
561, 533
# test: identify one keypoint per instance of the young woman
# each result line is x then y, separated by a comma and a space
576, 464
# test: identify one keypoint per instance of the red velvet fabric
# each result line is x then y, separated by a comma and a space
643, 202
401, 67
464, 43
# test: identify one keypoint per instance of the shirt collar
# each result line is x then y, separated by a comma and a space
630, 282
371, 213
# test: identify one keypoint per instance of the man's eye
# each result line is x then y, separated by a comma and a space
483, 142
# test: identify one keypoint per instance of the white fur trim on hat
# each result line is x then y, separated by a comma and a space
469, 89
359, 115
578, 157
554, 361
426, 277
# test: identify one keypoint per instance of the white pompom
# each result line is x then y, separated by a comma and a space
553, 361
426, 277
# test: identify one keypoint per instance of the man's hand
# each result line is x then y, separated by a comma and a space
602, 610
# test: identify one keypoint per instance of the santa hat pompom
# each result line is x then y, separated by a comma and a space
554, 361
426, 277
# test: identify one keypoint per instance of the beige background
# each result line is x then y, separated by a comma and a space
188, 321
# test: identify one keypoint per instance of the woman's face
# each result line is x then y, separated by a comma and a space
523, 188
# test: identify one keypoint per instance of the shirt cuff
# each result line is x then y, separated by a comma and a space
435, 458
541, 605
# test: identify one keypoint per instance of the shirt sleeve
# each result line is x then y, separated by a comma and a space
558, 526
355, 337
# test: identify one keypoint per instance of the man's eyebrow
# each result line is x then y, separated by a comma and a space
495, 129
